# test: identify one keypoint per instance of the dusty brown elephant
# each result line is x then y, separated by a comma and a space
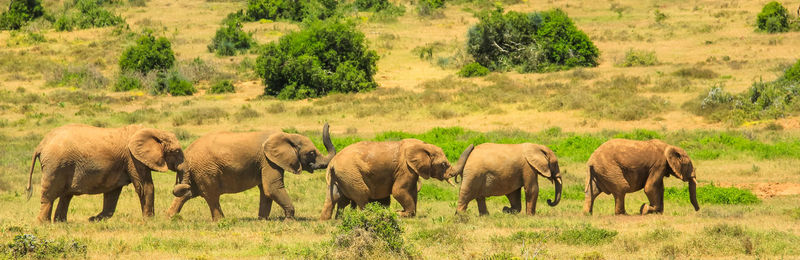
81, 159
367, 171
227, 162
622, 166
505, 169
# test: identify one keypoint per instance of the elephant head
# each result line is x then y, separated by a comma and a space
156, 149
681, 167
544, 161
425, 160
294, 152
454, 172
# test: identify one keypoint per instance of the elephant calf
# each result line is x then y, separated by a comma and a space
368, 171
504, 169
81, 159
622, 166
227, 162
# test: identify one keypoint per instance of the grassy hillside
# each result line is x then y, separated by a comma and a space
50, 78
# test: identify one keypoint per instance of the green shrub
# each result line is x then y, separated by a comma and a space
295, 10
792, 74
773, 18
429, 8
712, 194
324, 57
172, 83
539, 41
86, 14
636, 58
19, 13
375, 220
230, 39
28, 245
221, 87
79, 76
473, 70
127, 82
149, 54
372, 5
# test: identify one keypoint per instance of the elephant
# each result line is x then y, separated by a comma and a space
226, 162
367, 171
621, 166
505, 169
80, 159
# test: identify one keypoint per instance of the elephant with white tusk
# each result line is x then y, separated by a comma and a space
221, 163
622, 166
81, 159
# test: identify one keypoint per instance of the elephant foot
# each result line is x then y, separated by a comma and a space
406, 214
509, 210
646, 209
181, 190
99, 217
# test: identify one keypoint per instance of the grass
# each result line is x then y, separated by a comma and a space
711, 194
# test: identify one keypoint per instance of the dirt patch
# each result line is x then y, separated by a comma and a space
770, 189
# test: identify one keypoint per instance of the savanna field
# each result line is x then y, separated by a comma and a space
698, 74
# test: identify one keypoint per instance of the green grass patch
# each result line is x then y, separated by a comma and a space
712, 194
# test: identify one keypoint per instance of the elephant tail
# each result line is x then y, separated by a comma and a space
29, 189
591, 183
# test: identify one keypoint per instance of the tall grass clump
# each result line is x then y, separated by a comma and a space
532, 42
430, 8
222, 87
638, 58
712, 194
31, 246
324, 57
370, 232
172, 83
586, 235
773, 18
19, 13
86, 14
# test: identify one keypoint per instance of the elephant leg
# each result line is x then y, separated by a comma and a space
333, 199
264, 204
46, 209
54, 185
515, 199
590, 194
63, 207
386, 202
405, 192
109, 204
177, 204
272, 181
144, 188
655, 194
531, 196
212, 199
482, 206
619, 204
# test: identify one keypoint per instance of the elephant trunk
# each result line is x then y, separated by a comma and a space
182, 184
693, 193
558, 184
326, 140
458, 169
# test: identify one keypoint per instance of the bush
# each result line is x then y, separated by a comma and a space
221, 87
79, 76
375, 220
172, 83
792, 74
88, 14
543, 41
295, 10
635, 58
326, 56
19, 13
230, 38
149, 53
29, 245
372, 5
773, 18
127, 82
429, 7
473, 70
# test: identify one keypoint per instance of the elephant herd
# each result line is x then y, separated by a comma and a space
79, 159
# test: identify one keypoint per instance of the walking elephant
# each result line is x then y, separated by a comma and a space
622, 166
228, 162
368, 171
505, 169
81, 159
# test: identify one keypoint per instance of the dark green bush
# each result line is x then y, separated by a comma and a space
429, 7
172, 83
773, 18
19, 13
221, 87
792, 74
28, 245
325, 56
86, 14
230, 38
295, 10
149, 54
372, 5
127, 82
473, 70
376, 220
539, 41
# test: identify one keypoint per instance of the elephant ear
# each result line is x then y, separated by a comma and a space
280, 149
675, 158
418, 158
147, 146
537, 158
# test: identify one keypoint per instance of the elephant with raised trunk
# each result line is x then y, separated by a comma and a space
226, 162
81, 159
368, 171
622, 166
505, 169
